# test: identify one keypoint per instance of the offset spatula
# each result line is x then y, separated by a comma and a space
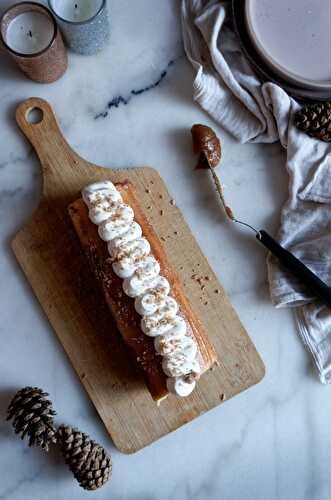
292, 264
286, 258
296, 267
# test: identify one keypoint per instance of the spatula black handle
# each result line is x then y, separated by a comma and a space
296, 267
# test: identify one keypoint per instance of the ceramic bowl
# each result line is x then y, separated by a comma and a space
293, 39
265, 72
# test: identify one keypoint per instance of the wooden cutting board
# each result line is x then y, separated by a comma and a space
49, 252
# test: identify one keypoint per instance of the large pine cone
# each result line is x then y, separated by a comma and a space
87, 460
32, 416
315, 120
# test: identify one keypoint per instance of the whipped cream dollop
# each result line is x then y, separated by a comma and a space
132, 261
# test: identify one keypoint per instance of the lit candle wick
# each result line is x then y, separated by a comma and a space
76, 6
30, 33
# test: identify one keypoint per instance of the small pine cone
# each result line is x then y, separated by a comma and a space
32, 416
315, 120
87, 460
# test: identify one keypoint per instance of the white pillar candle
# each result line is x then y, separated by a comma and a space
29, 33
76, 10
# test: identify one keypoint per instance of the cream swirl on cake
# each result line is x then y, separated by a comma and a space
140, 271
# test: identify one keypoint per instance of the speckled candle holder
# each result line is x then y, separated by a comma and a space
85, 37
45, 66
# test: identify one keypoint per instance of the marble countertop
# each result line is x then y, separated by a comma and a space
271, 442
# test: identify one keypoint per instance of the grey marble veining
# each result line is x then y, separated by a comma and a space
119, 100
271, 442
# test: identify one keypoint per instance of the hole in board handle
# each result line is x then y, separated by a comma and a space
34, 116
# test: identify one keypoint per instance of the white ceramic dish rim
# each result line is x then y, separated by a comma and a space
273, 64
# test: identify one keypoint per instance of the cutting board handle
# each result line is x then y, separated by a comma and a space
45, 136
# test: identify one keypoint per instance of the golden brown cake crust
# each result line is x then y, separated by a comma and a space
122, 306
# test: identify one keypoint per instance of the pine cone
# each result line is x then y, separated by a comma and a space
315, 120
33, 416
87, 460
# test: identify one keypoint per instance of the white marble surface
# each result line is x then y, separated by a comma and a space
272, 442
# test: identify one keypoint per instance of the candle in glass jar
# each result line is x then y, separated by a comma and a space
76, 10
29, 33
84, 23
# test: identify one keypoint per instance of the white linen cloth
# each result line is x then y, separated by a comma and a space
228, 89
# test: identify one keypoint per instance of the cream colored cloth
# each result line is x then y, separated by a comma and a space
228, 89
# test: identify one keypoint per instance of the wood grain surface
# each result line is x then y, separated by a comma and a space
51, 257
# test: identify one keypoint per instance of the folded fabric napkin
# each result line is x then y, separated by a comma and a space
228, 89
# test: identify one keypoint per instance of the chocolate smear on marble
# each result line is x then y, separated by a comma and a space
208, 146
